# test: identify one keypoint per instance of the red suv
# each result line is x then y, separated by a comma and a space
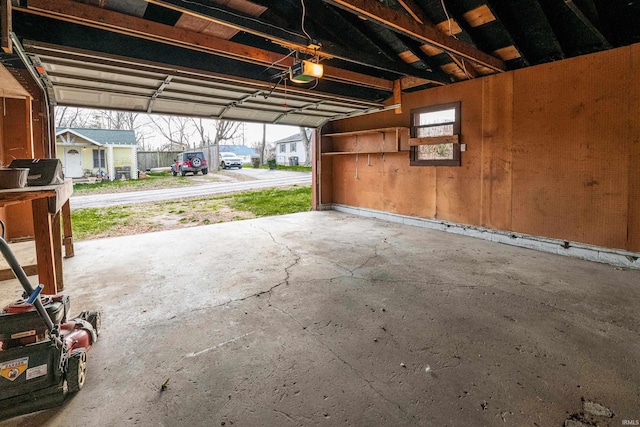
190, 161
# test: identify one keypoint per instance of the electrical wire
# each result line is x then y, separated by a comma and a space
464, 67
448, 19
304, 12
236, 15
280, 60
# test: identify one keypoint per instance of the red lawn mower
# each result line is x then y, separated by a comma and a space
43, 356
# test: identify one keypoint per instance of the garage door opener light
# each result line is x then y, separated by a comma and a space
305, 72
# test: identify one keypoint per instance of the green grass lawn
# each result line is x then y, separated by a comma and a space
273, 201
140, 218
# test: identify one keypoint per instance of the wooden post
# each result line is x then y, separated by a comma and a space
43, 231
57, 250
397, 95
5, 26
68, 230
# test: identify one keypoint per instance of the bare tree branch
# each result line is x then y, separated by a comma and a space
174, 129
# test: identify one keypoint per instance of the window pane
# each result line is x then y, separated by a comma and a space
442, 130
435, 117
435, 152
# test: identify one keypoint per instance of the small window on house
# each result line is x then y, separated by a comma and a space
293, 147
283, 148
98, 159
435, 135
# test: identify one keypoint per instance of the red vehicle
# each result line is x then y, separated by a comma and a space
43, 356
190, 161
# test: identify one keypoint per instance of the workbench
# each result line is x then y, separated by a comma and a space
49, 203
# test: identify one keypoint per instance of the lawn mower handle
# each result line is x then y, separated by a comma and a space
24, 281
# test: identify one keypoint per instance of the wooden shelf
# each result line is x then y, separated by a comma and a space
371, 141
364, 132
338, 153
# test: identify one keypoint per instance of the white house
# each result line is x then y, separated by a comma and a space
97, 152
290, 149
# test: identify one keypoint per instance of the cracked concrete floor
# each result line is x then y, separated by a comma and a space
323, 318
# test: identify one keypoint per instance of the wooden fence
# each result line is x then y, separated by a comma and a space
161, 159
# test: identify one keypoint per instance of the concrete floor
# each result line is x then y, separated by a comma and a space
323, 318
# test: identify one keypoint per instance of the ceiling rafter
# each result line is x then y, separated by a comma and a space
523, 17
479, 22
423, 33
421, 17
70, 11
415, 11
587, 22
291, 39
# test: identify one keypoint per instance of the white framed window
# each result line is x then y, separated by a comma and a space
437, 129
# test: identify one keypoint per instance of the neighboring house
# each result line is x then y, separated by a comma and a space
97, 152
289, 148
242, 151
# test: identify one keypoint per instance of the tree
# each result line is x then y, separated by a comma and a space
225, 130
201, 130
72, 117
174, 129
306, 141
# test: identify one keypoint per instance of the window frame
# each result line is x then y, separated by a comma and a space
457, 157
99, 160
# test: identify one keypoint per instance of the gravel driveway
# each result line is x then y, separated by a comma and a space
258, 179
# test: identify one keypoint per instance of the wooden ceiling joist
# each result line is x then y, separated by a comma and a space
415, 11
292, 40
479, 16
587, 22
422, 33
70, 11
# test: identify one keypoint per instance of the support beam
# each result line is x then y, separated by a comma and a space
78, 13
587, 22
5, 26
422, 33
415, 11
292, 40
397, 96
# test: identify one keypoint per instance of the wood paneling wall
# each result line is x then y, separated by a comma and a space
552, 150
18, 144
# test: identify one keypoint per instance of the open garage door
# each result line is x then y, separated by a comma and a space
82, 78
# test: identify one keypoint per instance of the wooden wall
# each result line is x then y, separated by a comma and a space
552, 150
24, 133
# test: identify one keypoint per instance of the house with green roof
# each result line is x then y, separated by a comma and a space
97, 152
242, 151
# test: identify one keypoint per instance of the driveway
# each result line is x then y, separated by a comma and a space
261, 178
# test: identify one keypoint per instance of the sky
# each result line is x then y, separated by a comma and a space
253, 132
248, 134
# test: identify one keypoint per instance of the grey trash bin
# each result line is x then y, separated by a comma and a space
293, 161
